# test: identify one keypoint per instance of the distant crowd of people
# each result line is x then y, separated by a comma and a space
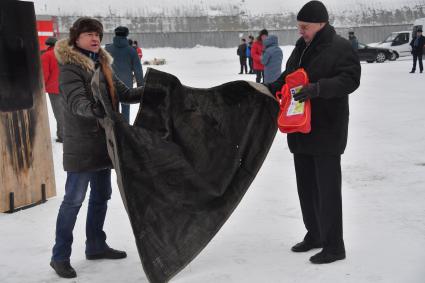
263, 55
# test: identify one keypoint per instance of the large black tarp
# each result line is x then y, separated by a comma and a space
186, 163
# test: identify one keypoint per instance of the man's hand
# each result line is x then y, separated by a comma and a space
307, 92
97, 109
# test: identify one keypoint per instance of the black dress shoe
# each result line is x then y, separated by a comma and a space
109, 253
63, 269
327, 257
305, 246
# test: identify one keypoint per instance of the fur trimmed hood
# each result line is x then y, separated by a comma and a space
67, 54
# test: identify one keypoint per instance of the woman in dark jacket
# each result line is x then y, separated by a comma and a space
85, 156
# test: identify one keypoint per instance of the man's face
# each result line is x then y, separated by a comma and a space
308, 30
263, 37
89, 41
419, 33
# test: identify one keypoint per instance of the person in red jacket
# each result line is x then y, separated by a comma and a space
256, 53
138, 49
51, 83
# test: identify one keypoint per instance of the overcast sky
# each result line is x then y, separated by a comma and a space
105, 7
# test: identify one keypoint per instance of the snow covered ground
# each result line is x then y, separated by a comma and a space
383, 198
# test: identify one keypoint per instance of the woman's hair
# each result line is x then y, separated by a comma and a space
262, 32
84, 24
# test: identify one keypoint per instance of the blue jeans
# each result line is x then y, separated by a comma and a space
125, 111
75, 193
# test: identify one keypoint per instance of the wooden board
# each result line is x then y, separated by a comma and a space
26, 159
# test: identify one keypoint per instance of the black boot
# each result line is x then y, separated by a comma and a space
109, 253
63, 269
412, 71
327, 257
305, 246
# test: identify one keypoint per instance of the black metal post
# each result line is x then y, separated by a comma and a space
12, 202
43, 193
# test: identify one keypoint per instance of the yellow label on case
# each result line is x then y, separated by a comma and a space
296, 108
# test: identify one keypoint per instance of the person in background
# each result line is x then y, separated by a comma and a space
272, 59
353, 40
417, 44
241, 52
85, 155
51, 84
126, 63
248, 54
334, 72
138, 49
256, 53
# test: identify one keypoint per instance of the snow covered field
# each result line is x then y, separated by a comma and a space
383, 198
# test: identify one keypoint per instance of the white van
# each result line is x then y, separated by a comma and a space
399, 42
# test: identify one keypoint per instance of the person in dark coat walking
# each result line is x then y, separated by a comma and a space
353, 40
272, 59
51, 84
241, 52
417, 44
85, 156
334, 72
126, 63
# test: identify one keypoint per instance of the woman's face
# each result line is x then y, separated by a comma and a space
89, 41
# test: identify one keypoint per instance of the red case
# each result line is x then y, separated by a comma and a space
294, 116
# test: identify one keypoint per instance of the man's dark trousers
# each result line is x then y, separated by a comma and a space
243, 64
319, 191
416, 58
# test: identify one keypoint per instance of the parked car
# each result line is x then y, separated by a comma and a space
375, 54
399, 42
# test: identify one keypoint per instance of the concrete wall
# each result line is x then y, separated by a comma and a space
221, 31
226, 39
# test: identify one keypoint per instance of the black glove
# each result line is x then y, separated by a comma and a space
97, 109
307, 92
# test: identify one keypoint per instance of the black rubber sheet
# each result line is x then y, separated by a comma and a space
186, 163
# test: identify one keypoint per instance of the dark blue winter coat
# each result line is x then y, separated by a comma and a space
272, 59
126, 61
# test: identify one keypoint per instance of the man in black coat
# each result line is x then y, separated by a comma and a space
417, 44
334, 72
242, 56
